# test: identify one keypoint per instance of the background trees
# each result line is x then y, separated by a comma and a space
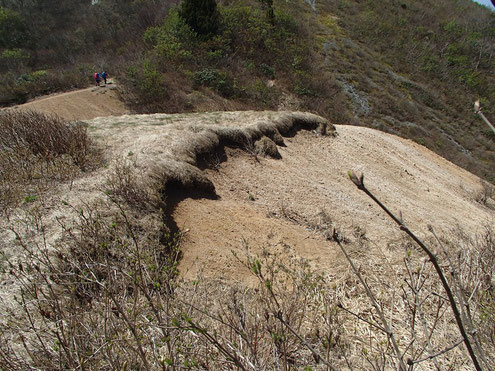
201, 16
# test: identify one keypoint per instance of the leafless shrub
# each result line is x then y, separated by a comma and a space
94, 301
124, 184
36, 148
286, 321
107, 298
44, 135
472, 270
456, 298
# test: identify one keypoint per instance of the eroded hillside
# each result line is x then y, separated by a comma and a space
254, 196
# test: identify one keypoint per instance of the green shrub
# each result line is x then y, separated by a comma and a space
214, 79
206, 77
13, 59
18, 88
258, 91
267, 70
146, 82
13, 30
173, 40
251, 36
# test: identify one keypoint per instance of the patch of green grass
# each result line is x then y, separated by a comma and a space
30, 198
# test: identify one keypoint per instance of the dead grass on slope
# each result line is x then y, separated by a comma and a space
105, 293
109, 297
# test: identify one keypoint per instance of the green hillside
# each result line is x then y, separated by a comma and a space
406, 67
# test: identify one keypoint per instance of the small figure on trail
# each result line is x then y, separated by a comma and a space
97, 78
104, 76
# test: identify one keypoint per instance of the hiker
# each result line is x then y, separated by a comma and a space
97, 78
104, 76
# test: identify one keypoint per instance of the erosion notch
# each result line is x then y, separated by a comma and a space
180, 165
170, 152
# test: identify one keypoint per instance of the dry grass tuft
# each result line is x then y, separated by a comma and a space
267, 147
486, 194
124, 184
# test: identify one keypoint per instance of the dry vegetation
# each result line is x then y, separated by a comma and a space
107, 294
37, 150
109, 297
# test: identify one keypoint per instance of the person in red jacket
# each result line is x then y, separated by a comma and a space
97, 78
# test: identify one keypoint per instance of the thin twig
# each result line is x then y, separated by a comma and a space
362, 318
304, 342
359, 182
411, 362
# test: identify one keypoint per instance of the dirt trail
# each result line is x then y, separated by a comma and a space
81, 104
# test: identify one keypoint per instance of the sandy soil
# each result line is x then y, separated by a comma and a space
82, 104
280, 206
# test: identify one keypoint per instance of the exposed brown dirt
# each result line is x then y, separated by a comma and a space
272, 204
279, 205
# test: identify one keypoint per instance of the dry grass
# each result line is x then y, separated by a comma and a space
36, 149
123, 184
179, 170
267, 147
108, 296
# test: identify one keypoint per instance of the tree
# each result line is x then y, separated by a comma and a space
201, 16
13, 30
268, 6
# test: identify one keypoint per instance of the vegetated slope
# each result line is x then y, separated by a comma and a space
206, 175
414, 69
408, 68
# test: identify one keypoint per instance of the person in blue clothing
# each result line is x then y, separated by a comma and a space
104, 76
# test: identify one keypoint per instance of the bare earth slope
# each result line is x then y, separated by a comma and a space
227, 199
281, 205
278, 203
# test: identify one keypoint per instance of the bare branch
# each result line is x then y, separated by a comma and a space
434, 261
